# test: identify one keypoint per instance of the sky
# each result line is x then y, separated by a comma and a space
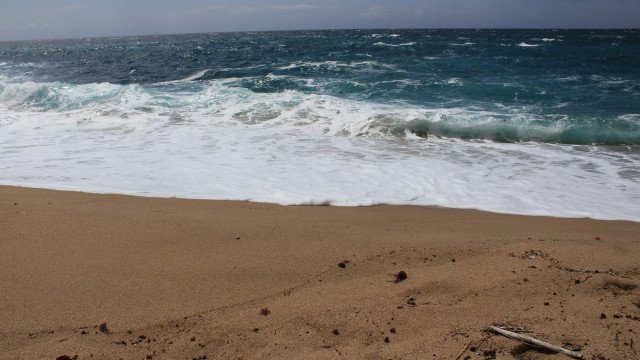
46, 19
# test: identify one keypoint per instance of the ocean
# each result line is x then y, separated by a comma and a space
537, 122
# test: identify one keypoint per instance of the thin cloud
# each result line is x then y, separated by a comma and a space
375, 11
240, 10
62, 9
229, 11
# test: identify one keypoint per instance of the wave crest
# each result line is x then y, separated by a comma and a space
286, 101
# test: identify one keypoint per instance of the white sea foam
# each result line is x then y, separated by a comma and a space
395, 45
224, 142
468, 43
524, 44
290, 66
196, 75
336, 64
378, 36
568, 78
630, 117
454, 81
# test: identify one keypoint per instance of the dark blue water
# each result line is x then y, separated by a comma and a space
554, 86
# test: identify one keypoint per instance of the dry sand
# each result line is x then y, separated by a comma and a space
184, 279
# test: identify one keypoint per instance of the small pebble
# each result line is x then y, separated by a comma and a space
401, 276
103, 328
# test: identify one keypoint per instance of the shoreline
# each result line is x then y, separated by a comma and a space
134, 194
184, 278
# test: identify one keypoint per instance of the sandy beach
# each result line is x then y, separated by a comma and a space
119, 277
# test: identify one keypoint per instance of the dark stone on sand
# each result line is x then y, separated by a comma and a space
255, 330
103, 328
489, 354
335, 332
265, 311
603, 316
387, 340
64, 357
401, 276
342, 265
392, 330
546, 303
193, 339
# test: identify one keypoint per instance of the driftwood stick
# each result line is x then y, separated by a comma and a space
463, 350
536, 342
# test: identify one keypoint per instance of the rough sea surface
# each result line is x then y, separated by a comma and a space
543, 122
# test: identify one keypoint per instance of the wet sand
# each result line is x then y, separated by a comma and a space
184, 279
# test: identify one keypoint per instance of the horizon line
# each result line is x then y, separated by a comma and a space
313, 30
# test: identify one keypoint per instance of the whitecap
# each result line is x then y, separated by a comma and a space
290, 66
331, 64
192, 77
378, 36
395, 45
568, 78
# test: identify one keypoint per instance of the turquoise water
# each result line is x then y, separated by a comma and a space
555, 86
